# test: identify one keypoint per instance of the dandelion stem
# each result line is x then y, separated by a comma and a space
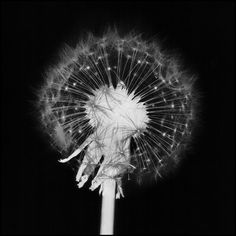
108, 207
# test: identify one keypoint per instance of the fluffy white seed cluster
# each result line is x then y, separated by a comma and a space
117, 105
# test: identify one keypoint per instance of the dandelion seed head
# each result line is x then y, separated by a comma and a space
121, 102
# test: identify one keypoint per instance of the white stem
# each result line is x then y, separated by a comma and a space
108, 207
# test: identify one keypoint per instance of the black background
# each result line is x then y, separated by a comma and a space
39, 195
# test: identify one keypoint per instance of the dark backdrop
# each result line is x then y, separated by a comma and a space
39, 195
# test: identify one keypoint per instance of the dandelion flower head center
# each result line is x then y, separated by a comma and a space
113, 109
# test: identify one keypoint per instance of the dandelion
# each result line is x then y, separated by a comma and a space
118, 105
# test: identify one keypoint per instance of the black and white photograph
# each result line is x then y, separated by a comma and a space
118, 117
